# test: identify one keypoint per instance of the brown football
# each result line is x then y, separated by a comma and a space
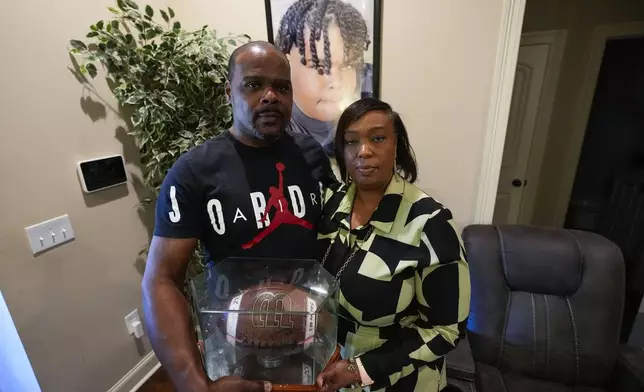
264, 320
295, 369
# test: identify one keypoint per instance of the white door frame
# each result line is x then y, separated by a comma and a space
571, 159
497, 121
556, 39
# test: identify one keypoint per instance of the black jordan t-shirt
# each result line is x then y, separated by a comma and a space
242, 201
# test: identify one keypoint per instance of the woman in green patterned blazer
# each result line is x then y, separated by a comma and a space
404, 280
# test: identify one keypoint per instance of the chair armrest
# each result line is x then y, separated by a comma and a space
460, 363
629, 373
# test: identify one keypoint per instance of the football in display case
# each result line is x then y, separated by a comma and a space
266, 319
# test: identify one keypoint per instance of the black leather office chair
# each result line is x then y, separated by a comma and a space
546, 312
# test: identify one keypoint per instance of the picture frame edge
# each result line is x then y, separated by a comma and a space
269, 21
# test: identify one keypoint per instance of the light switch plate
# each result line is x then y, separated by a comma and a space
51, 233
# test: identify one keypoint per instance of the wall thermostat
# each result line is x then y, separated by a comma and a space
102, 173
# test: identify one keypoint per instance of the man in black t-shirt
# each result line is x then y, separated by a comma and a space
255, 190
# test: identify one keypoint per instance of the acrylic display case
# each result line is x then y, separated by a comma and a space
267, 319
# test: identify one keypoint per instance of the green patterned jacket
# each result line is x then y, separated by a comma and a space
405, 295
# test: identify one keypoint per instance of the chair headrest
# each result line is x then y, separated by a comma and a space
540, 260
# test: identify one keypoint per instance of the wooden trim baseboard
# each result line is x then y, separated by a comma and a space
139, 374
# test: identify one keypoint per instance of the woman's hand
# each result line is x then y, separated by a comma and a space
337, 376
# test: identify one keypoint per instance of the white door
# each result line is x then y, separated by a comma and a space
526, 96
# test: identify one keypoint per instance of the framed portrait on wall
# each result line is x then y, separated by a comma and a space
334, 50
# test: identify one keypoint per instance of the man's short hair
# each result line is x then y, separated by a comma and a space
232, 61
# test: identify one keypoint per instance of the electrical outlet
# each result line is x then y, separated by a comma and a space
131, 319
49, 234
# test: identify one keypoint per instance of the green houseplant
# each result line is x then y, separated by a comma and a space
170, 81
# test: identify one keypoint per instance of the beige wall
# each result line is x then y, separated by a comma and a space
69, 303
438, 61
580, 18
438, 64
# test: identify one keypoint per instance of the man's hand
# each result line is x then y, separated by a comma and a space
237, 384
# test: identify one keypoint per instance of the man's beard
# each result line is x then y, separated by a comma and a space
267, 137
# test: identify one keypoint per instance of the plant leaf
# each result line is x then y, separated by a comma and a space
79, 45
164, 15
92, 34
132, 4
135, 98
170, 102
91, 69
176, 27
113, 10
192, 119
115, 24
171, 11
144, 137
100, 25
149, 11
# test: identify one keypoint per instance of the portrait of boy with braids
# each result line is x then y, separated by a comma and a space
325, 42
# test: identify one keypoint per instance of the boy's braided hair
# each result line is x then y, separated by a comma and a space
317, 15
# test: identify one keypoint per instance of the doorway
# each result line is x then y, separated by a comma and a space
613, 146
608, 190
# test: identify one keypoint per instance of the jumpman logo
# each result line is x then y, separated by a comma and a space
282, 214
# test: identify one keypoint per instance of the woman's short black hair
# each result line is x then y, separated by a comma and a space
405, 158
